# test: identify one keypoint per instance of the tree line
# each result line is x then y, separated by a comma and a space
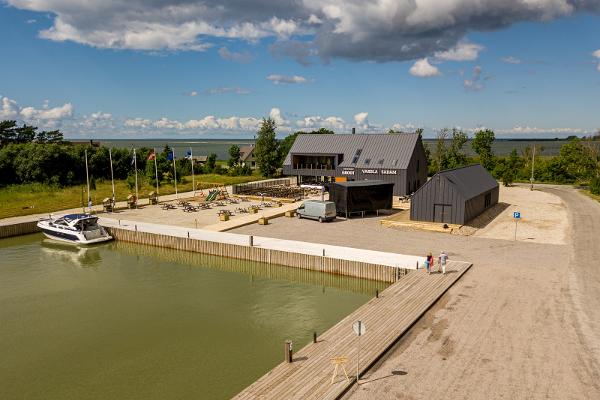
578, 160
31, 156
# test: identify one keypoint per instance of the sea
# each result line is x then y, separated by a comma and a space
204, 147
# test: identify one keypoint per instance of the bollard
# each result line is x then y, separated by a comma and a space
376, 293
314, 337
323, 252
251, 240
119, 222
288, 351
417, 265
136, 227
188, 234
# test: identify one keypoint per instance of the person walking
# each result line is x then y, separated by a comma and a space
427, 265
442, 260
430, 261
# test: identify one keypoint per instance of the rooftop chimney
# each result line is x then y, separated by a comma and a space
353, 130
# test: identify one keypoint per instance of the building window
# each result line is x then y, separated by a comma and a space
488, 200
367, 161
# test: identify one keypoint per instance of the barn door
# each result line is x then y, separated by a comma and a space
442, 213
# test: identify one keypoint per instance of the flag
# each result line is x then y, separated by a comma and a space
188, 154
171, 156
151, 156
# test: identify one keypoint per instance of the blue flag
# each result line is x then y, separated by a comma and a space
171, 156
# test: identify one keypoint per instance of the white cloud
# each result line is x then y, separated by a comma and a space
315, 122
597, 55
510, 60
534, 130
282, 79
463, 51
191, 93
378, 30
227, 89
32, 113
362, 119
475, 83
10, 109
423, 69
242, 58
137, 123
31, 21
276, 116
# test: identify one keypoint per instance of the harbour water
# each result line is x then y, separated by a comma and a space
136, 322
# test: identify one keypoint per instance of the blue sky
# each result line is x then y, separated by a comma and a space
154, 69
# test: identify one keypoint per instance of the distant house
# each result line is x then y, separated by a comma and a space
455, 196
399, 159
247, 156
201, 160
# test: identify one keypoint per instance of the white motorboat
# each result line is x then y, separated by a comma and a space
74, 228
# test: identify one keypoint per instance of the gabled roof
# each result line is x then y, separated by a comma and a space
246, 152
469, 181
374, 150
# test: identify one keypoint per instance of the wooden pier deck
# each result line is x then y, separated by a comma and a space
386, 319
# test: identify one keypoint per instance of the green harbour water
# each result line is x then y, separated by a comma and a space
124, 321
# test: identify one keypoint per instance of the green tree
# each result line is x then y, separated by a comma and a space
456, 156
8, 131
579, 161
234, 155
482, 145
440, 154
211, 162
266, 150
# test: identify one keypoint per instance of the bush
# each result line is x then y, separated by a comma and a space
595, 185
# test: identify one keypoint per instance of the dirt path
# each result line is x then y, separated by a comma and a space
584, 270
507, 330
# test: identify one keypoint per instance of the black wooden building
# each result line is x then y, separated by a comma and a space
455, 196
396, 158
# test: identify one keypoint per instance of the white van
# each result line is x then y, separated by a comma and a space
318, 210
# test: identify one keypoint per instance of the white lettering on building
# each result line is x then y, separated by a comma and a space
389, 172
369, 171
347, 172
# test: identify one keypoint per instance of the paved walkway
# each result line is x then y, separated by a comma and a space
386, 319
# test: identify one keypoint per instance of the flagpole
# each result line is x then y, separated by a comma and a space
156, 173
136, 180
112, 178
193, 179
87, 177
175, 173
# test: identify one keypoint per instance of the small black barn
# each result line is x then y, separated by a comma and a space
361, 196
455, 196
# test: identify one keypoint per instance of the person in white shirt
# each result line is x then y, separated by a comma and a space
442, 260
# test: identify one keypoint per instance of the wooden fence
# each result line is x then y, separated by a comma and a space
330, 265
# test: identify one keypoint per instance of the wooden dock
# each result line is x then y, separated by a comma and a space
386, 319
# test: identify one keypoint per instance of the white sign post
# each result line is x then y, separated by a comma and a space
359, 329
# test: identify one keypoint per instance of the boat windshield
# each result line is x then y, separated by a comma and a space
88, 224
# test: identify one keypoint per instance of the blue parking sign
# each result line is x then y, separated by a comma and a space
516, 215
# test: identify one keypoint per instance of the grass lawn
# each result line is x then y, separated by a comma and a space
35, 198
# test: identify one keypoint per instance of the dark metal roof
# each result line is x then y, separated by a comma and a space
392, 151
246, 152
470, 181
363, 183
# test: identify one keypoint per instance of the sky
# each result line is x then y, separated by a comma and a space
214, 69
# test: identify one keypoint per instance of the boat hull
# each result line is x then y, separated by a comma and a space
71, 237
